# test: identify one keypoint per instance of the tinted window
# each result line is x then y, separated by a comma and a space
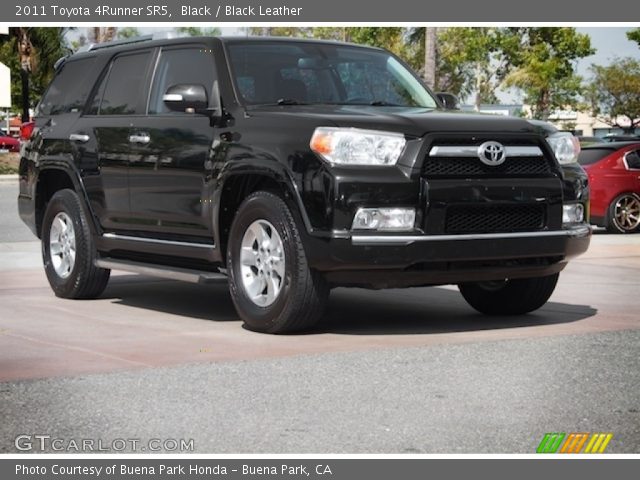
94, 106
124, 87
633, 159
181, 66
370, 82
307, 72
307, 85
69, 90
593, 155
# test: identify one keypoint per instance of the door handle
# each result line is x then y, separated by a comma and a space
142, 138
79, 137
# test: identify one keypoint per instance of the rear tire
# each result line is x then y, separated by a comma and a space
509, 297
623, 215
271, 284
68, 251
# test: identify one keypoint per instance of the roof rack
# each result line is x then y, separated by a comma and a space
116, 43
60, 62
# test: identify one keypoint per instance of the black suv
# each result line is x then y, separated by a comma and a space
287, 167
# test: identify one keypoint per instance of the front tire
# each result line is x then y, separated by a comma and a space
68, 251
624, 214
509, 297
271, 284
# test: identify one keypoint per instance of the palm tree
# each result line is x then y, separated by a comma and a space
38, 49
430, 56
27, 65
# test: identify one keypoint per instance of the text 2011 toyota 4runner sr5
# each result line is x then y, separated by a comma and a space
287, 167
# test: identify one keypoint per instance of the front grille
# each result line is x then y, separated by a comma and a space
494, 218
473, 167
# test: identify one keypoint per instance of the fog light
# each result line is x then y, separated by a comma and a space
384, 219
572, 213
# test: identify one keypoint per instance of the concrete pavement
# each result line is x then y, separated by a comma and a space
397, 371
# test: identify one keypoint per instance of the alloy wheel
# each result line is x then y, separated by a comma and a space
626, 213
62, 245
262, 263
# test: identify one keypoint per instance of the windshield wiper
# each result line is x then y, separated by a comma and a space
382, 103
280, 101
289, 101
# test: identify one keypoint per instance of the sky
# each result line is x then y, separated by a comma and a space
609, 42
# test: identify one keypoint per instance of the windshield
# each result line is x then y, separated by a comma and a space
294, 73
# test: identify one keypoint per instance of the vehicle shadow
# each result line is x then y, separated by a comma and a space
350, 311
205, 302
429, 310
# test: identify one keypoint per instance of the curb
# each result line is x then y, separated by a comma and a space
8, 178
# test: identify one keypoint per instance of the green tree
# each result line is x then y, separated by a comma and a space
423, 53
341, 34
614, 93
541, 62
467, 63
390, 38
280, 32
465, 60
30, 53
198, 31
127, 32
634, 35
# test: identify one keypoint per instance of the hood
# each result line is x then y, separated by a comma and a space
408, 120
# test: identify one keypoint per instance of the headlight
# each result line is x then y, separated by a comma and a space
565, 146
384, 219
572, 213
352, 146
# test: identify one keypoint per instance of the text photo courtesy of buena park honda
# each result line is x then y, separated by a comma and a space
320, 240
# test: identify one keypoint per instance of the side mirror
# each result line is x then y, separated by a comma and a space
448, 100
186, 98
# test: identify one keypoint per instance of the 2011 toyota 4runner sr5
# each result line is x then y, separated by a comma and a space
287, 167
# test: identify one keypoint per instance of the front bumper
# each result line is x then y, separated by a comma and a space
408, 260
579, 231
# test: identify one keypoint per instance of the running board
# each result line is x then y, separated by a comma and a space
163, 271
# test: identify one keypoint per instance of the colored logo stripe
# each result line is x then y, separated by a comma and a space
550, 443
598, 442
574, 442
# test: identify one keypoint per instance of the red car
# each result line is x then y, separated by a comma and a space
614, 177
9, 144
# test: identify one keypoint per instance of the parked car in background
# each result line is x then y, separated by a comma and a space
584, 140
621, 138
9, 144
26, 129
614, 177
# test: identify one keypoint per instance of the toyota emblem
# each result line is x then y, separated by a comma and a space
492, 153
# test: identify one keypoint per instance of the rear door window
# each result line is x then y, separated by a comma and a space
122, 94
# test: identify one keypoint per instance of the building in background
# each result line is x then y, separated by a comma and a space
580, 123
583, 123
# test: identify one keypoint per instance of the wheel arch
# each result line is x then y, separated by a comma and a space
238, 184
51, 179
